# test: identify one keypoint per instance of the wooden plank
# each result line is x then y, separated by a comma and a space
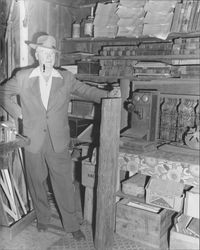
107, 173
88, 205
16, 228
23, 30
3, 216
62, 3
172, 86
125, 88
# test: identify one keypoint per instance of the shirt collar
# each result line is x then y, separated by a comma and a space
36, 73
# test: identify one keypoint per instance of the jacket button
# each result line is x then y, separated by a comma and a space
45, 130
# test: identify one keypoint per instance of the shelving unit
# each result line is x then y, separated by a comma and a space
165, 85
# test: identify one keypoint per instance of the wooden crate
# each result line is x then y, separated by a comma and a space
9, 232
179, 241
142, 226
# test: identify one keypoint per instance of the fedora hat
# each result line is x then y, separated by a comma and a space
44, 41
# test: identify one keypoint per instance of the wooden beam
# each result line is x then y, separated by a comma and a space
65, 3
107, 173
23, 23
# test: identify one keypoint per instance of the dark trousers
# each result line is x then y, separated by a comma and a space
59, 168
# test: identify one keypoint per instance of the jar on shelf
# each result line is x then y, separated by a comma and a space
76, 30
89, 26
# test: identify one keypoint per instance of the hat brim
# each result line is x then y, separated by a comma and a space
35, 45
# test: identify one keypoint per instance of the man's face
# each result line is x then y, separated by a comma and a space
46, 59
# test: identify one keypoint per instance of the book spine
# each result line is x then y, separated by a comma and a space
185, 19
198, 22
191, 19
181, 16
194, 25
177, 11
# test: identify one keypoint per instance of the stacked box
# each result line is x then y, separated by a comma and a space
180, 241
88, 174
147, 228
165, 193
191, 204
135, 185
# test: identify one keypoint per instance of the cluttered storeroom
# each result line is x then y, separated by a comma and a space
99, 124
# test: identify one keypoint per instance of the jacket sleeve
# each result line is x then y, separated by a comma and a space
8, 96
85, 91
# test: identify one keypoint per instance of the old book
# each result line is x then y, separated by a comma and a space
181, 16
182, 222
186, 16
177, 12
191, 20
193, 226
198, 23
196, 15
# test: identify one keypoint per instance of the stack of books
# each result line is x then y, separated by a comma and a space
105, 21
131, 16
158, 18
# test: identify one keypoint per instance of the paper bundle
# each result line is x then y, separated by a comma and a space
105, 21
158, 19
131, 15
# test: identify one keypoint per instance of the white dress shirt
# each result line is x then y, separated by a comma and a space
45, 86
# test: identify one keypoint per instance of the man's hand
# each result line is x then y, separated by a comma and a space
114, 93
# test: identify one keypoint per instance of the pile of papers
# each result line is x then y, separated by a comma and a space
105, 21
158, 18
131, 16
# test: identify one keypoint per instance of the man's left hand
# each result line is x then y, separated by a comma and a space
115, 93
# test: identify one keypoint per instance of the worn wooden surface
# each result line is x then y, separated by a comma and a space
107, 173
88, 205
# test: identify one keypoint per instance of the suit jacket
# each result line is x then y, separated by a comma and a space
37, 121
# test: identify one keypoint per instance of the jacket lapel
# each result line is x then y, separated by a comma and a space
35, 88
56, 86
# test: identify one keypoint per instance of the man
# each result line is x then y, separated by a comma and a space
44, 96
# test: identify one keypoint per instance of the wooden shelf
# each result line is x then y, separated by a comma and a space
114, 79
9, 146
149, 58
134, 39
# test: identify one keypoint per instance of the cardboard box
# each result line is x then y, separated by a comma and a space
191, 204
135, 185
148, 228
165, 193
88, 174
181, 241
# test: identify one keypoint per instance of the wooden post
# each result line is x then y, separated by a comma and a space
23, 27
107, 173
